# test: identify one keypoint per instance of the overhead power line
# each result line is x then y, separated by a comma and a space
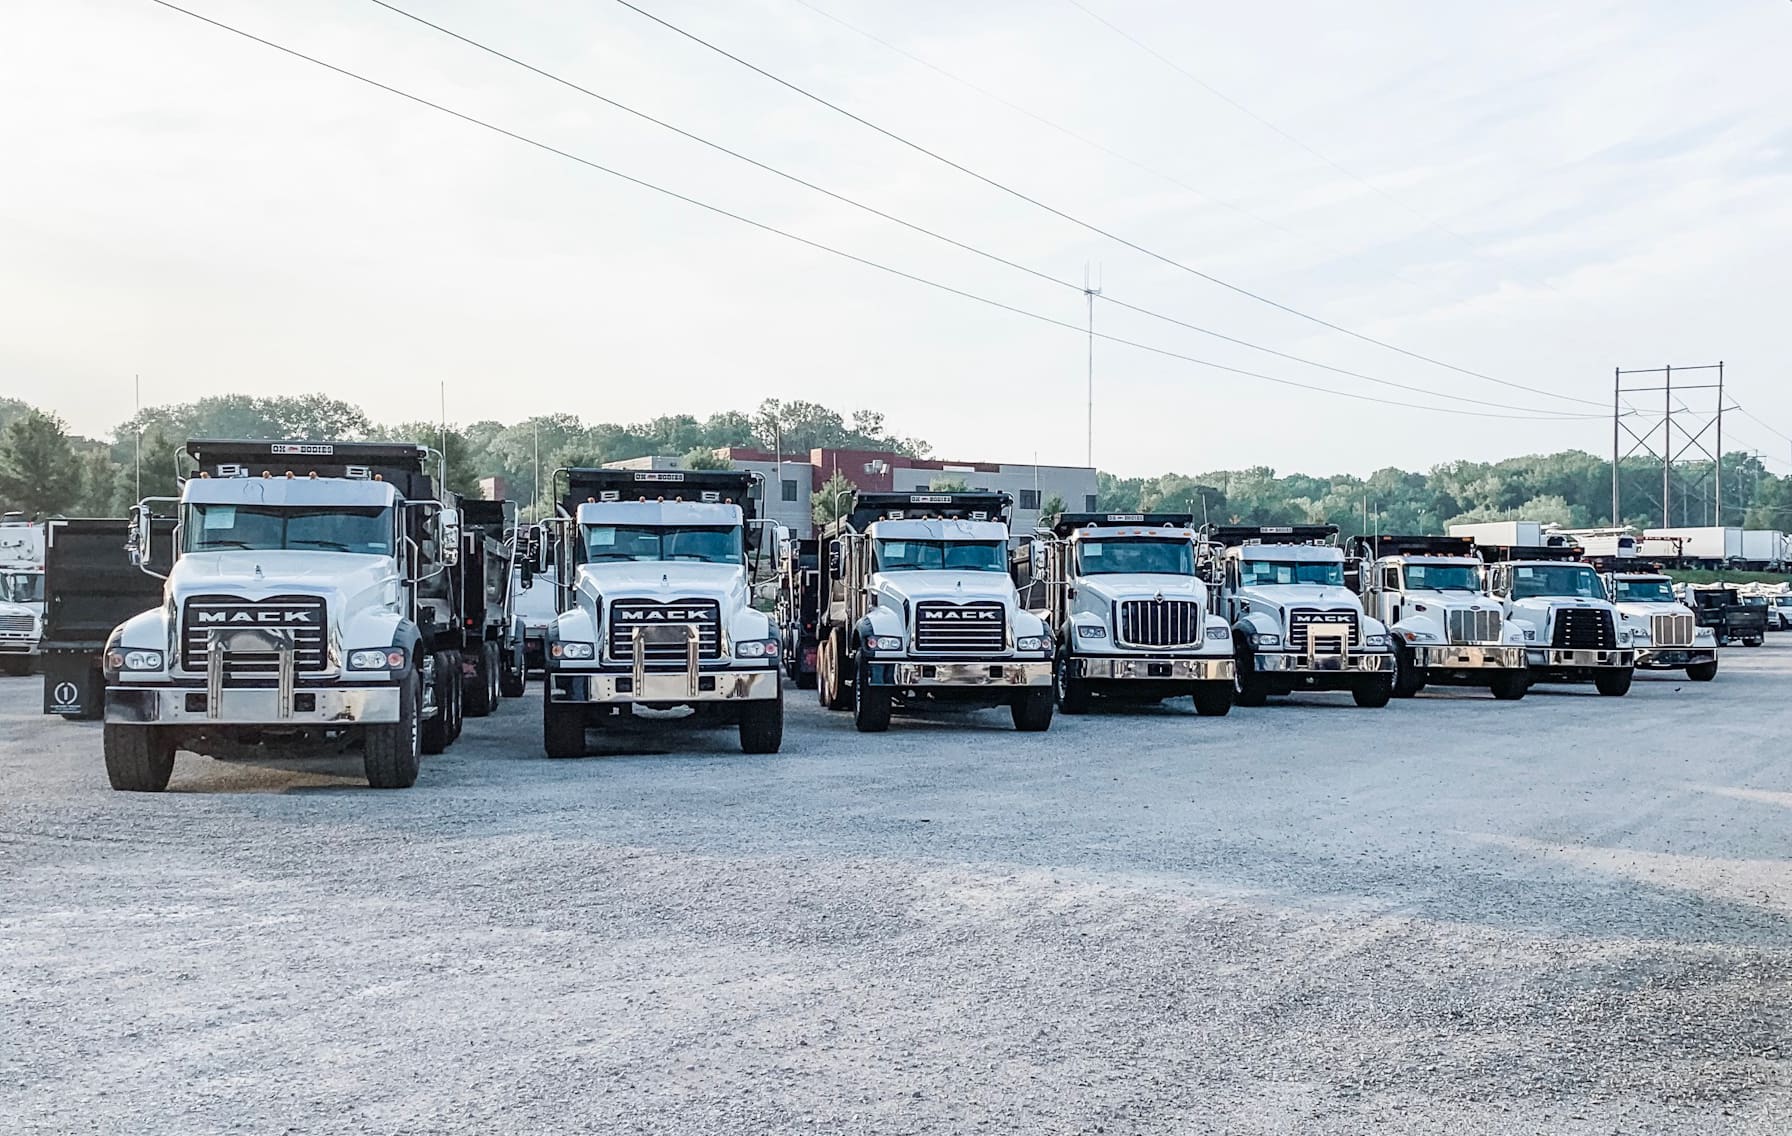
817, 245
1088, 225
1036, 273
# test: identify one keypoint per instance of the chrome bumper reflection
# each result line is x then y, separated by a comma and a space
261, 706
669, 687
1676, 657
1221, 669
1469, 658
1362, 662
1552, 658
998, 673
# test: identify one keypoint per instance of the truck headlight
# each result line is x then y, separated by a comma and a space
884, 643
1031, 643
1219, 632
571, 649
756, 649
1266, 639
1091, 631
133, 660
376, 659
1375, 640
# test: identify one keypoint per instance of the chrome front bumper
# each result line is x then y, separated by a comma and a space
1469, 658
260, 706
1218, 669
996, 673
1357, 663
1562, 658
1675, 657
663, 686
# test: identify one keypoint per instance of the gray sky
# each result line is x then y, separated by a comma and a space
1534, 190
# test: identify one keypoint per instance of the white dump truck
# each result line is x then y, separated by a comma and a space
1446, 627
1663, 631
310, 608
1571, 630
1296, 624
654, 609
917, 608
21, 592
1129, 610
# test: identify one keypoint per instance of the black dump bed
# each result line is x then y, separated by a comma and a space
1233, 535
1064, 524
407, 466
717, 486
1721, 608
90, 587
869, 508
489, 529
1389, 544
1506, 553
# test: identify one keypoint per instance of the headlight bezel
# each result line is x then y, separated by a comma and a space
573, 650
120, 659
875, 643
756, 648
1091, 631
1266, 638
1032, 644
364, 660
1375, 640
1220, 632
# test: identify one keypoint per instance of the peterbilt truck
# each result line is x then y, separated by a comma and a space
1664, 631
1296, 625
1445, 627
654, 608
21, 592
1571, 630
310, 610
1129, 611
917, 608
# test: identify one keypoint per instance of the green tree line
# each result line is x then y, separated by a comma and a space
45, 470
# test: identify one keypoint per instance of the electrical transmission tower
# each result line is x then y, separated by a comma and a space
1683, 431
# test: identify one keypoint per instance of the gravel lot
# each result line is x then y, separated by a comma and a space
1566, 915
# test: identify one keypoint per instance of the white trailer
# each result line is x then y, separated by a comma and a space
1764, 548
1504, 534
1708, 544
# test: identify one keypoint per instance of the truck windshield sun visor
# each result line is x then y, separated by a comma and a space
712, 544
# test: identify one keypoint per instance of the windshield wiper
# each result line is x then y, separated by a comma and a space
222, 542
331, 545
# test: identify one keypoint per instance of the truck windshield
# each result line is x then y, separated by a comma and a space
1261, 573
1166, 557
1444, 577
711, 544
367, 530
1644, 591
21, 587
1555, 580
957, 555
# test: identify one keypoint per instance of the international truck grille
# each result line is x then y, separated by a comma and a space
704, 615
1471, 627
1584, 629
960, 629
303, 616
1300, 621
22, 622
1160, 623
1671, 630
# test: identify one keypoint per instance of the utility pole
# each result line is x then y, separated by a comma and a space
1694, 425
1090, 291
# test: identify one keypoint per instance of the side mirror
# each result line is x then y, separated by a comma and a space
137, 541
833, 558
525, 574
450, 537
1038, 552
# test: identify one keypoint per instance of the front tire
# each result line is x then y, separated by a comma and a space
1510, 687
1252, 691
871, 705
762, 725
1072, 691
562, 724
139, 759
1702, 672
392, 752
1407, 679
1213, 699
1032, 711
1614, 683
1373, 694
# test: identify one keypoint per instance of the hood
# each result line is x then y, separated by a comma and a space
952, 587
1142, 586
665, 580
1324, 597
259, 574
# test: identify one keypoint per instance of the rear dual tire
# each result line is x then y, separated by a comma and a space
482, 693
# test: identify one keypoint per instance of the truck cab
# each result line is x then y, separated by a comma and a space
308, 609
1129, 611
918, 608
1446, 628
1664, 631
1572, 632
1296, 625
21, 593
654, 608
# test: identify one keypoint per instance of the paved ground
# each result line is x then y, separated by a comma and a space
1566, 915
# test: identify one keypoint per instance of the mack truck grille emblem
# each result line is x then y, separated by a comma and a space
627, 615
1300, 620
960, 629
301, 616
